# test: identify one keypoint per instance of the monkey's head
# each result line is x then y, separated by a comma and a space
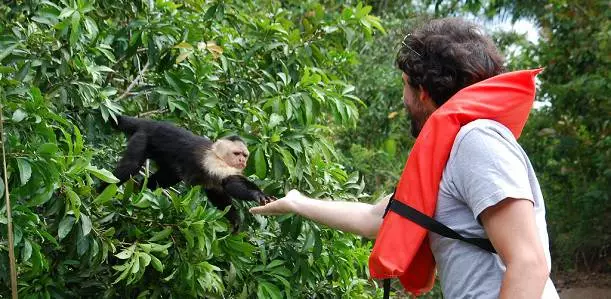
232, 150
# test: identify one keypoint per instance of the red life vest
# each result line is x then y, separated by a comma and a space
402, 247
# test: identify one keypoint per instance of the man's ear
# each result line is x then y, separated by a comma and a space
425, 97
423, 94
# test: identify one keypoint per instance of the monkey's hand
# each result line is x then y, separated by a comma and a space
241, 188
263, 198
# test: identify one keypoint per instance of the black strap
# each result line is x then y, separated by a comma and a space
386, 288
431, 225
435, 226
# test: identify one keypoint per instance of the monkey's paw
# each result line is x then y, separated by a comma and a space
264, 199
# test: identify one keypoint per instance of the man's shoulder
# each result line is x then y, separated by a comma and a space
483, 130
481, 126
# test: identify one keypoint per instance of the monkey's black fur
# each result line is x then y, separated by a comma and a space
179, 155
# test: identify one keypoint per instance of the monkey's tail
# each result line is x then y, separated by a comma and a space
126, 124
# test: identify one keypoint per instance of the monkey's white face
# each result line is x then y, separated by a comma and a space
234, 153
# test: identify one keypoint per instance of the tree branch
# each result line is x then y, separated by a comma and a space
151, 112
131, 85
9, 217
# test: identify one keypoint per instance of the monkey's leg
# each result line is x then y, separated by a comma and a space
163, 178
131, 161
133, 158
221, 201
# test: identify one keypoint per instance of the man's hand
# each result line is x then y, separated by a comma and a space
349, 216
281, 206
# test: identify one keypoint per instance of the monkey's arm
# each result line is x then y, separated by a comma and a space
240, 187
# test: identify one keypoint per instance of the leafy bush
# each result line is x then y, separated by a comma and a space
274, 73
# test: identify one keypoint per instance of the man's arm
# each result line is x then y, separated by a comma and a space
511, 227
354, 217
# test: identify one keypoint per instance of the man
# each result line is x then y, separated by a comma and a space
488, 188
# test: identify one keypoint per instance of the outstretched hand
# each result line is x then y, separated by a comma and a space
281, 206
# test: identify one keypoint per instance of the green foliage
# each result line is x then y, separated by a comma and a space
378, 146
276, 73
571, 145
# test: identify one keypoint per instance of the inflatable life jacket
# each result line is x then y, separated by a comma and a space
402, 248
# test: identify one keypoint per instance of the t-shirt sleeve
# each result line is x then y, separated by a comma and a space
487, 168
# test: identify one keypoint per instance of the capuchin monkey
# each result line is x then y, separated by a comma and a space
182, 156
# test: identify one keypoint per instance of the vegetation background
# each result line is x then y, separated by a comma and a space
313, 88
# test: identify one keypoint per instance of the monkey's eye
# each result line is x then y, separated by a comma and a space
236, 153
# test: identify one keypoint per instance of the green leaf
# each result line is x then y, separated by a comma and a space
211, 11
66, 12
91, 27
260, 164
19, 115
27, 250
23, 72
160, 248
41, 197
17, 235
37, 259
37, 95
317, 250
25, 170
161, 235
48, 148
122, 276
156, 263
1, 187
78, 141
7, 51
189, 237
48, 237
86, 224
75, 201
136, 265
106, 195
107, 52
65, 226
268, 290
82, 245
275, 119
128, 189
390, 146
126, 253
95, 247
145, 259
275, 263
103, 174
184, 45
6, 69
75, 29
375, 21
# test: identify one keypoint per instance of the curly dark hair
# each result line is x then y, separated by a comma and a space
446, 55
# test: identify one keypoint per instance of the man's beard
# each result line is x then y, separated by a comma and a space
417, 119
416, 127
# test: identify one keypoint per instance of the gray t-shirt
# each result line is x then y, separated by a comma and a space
486, 165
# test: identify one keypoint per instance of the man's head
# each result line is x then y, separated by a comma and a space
440, 58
